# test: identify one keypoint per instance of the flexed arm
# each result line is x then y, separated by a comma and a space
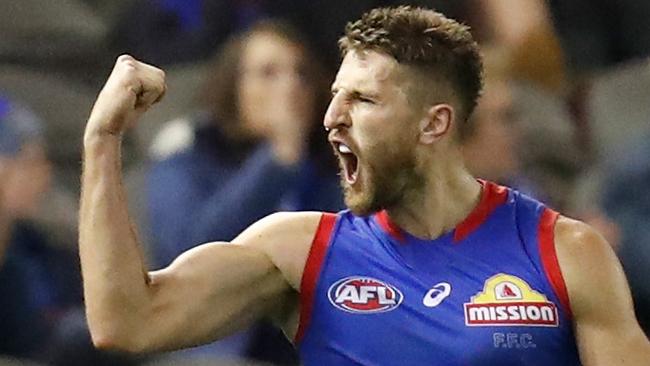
203, 295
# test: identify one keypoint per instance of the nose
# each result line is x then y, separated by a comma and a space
337, 114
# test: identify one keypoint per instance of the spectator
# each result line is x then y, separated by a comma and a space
491, 148
38, 283
523, 135
259, 147
520, 137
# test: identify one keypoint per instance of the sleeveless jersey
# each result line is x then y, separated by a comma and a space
490, 292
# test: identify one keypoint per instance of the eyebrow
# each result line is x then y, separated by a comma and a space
357, 93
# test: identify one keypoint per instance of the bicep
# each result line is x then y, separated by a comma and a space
209, 292
607, 331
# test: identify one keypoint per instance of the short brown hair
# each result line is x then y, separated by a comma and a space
426, 40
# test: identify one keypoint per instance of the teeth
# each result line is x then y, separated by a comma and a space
344, 149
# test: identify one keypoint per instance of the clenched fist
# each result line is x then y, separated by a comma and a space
130, 90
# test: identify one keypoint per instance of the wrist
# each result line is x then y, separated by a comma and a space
98, 136
104, 126
102, 147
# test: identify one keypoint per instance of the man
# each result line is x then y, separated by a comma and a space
430, 266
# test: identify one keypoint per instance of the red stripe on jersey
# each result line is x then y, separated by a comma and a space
389, 226
312, 271
546, 237
492, 197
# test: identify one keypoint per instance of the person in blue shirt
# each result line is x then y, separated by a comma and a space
258, 149
38, 282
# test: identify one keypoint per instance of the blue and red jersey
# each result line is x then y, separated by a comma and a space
490, 292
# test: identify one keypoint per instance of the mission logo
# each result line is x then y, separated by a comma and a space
509, 301
364, 295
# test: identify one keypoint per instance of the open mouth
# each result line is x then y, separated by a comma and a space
349, 162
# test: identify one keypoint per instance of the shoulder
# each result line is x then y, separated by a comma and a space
580, 245
280, 226
588, 264
286, 237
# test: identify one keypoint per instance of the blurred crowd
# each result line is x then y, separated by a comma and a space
565, 117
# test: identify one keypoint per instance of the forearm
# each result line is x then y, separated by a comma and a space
115, 280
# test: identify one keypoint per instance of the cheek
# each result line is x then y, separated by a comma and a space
371, 126
387, 151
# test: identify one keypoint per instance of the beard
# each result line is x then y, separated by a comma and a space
387, 177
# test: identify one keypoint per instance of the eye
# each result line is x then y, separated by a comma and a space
365, 100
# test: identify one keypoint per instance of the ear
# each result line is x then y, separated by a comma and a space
436, 123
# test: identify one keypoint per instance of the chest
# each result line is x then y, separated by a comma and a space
486, 303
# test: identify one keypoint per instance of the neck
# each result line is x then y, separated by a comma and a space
447, 197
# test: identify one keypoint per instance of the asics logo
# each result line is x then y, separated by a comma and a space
436, 294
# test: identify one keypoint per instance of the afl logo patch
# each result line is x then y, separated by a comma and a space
364, 295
